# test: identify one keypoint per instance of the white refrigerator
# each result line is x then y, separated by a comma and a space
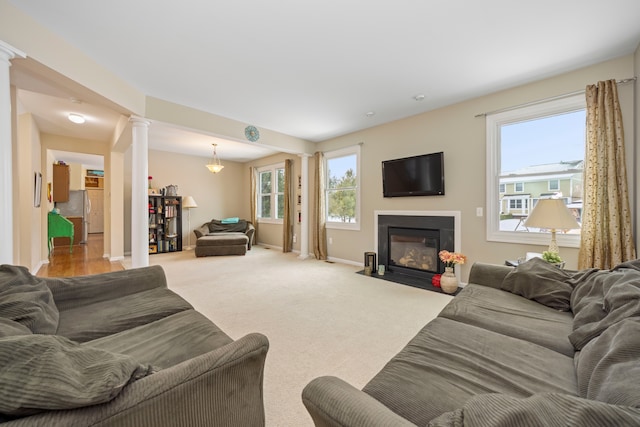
78, 205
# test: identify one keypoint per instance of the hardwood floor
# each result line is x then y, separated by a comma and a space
85, 259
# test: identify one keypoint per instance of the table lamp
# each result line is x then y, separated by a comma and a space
553, 215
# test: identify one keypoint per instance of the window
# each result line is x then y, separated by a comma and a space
342, 189
271, 193
534, 149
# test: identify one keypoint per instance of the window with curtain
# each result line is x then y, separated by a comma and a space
342, 189
271, 193
534, 152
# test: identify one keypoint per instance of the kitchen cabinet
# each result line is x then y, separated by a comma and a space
61, 181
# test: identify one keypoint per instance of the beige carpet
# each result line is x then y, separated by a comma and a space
321, 318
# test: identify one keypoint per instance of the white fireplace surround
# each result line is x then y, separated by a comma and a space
456, 215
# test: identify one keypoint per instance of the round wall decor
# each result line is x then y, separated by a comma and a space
252, 133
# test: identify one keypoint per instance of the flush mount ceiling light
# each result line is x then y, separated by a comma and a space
214, 166
76, 118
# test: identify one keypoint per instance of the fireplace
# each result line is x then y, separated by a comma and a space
408, 245
413, 250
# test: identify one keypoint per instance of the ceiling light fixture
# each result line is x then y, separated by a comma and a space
77, 118
370, 114
419, 97
215, 166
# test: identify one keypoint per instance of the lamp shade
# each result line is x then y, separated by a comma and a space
551, 214
189, 202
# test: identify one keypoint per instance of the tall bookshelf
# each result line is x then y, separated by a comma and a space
165, 224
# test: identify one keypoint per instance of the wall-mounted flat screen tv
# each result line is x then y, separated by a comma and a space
414, 176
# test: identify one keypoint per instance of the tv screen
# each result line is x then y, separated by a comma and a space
414, 176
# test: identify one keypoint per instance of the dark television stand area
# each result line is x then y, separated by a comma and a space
408, 280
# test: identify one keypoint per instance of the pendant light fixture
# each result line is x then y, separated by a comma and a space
215, 165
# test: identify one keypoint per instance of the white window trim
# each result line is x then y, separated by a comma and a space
549, 184
493, 122
515, 187
274, 201
341, 153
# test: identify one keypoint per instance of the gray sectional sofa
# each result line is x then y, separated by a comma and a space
120, 349
527, 346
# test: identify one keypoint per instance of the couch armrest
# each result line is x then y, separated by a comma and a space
219, 388
490, 275
70, 292
335, 403
251, 231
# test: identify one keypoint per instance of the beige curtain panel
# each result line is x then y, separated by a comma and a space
319, 225
253, 201
606, 235
287, 240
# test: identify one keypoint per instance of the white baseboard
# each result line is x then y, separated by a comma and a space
345, 261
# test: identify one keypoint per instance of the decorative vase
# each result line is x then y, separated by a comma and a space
448, 281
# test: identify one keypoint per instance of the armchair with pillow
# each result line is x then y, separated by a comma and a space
230, 236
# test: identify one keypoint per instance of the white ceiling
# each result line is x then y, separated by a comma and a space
313, 69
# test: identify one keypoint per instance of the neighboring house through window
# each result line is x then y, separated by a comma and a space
539, 149
342, 189
271, 193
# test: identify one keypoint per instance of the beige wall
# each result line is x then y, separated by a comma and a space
461, 135
271, 234
218, 196
29, 220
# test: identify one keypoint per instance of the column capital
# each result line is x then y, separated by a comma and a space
139, 121
303, 155
9, 52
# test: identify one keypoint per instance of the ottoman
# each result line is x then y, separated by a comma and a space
230, 243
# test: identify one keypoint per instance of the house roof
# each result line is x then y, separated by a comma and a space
564, 168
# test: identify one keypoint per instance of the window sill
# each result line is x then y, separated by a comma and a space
543, 239
269, 221
354, 226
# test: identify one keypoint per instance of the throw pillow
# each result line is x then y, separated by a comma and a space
540, 281
27, 299
203, 230
50, 372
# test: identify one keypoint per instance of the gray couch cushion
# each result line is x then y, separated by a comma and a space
512, 315
448, 362
601, 300
10, 328
540, 281
49, 372
92, 321
607, 368
26, 299
543, 409
168, 341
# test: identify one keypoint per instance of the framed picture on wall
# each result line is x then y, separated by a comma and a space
37, 189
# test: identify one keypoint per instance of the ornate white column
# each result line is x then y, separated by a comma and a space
139, 193
7, 53
304, 207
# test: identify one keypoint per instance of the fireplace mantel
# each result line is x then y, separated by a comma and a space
455, 215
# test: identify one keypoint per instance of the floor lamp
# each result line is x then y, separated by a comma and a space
188, 204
